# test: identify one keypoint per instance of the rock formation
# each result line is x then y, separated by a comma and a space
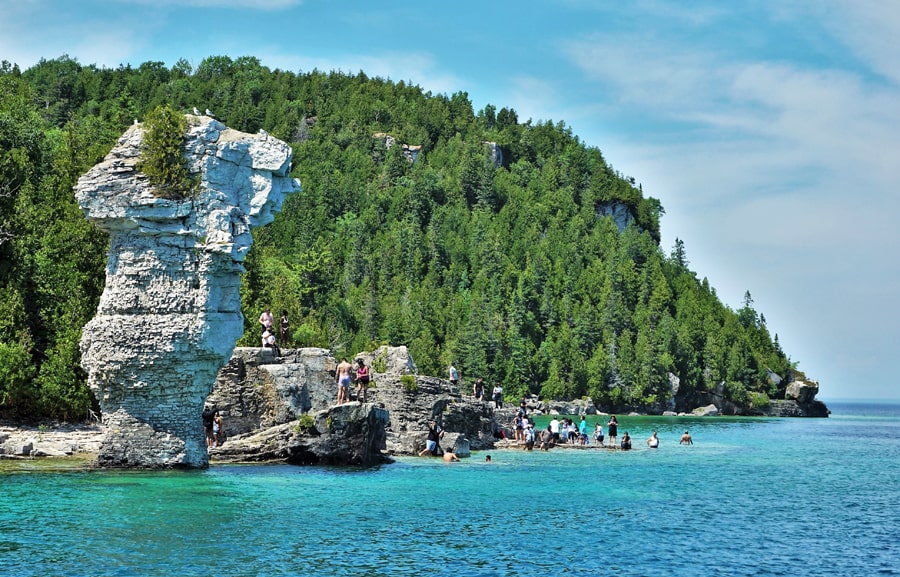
262, 399
170, 311
348, 434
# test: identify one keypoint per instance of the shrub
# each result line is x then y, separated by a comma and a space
306, 421
409, 383
759, 400
379, 363
162, 156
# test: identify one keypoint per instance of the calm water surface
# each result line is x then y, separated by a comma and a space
794, 497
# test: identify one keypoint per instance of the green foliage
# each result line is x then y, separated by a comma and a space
306, 422
505, 268
759, 400
379, 363
408, 382
17, 395
162, 156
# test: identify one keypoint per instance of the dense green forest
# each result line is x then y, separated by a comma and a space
506, 268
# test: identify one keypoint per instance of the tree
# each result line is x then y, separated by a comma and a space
506, 269
162, 154
679, 255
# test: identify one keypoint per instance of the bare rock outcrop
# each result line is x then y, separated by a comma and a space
262, 398
170, 311
348, 434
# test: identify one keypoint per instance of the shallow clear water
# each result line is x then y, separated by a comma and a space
791, 497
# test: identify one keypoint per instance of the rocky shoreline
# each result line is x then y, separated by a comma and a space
57, 440
281, 409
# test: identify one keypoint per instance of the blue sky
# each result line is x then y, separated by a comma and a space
768, 129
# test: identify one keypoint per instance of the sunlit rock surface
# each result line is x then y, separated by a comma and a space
170, 313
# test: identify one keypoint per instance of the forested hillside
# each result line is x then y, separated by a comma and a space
504, 266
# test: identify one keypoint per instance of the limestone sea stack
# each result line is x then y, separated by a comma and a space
170, 312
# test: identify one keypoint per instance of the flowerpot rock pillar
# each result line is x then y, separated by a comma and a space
170, 312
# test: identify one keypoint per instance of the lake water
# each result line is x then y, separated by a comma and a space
795, 497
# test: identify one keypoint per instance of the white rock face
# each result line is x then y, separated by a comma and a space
170, 312
620, 213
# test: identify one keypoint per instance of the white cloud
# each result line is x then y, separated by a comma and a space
779, 174
869, 28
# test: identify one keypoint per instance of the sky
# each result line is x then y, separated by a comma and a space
769, 130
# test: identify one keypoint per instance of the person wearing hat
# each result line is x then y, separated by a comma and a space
268, 341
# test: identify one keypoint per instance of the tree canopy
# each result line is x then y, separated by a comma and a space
481, 242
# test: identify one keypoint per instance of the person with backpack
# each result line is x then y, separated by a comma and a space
209, 417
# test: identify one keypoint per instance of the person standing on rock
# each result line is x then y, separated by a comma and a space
612, 430
529, 437
362, 381
547, 438
553, 427
598, 433
478, 389
454, 375
266, 320
342, 378
208, 416
218, 430
498, 396
284, 326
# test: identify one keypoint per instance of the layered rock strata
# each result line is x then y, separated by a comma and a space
262, 398
170, 314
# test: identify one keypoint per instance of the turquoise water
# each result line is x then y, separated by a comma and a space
791, 497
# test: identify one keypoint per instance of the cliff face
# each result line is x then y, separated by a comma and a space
170, 311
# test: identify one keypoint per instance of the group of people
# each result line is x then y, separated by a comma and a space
213, 427
478, 387
267, 320
562, 431
346, 375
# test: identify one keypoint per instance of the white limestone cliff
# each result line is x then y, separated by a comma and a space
170, 313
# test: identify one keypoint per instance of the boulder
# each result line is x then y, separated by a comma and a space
801, 391
18, 448
256, 390
707, 411
577, 407
348, 434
